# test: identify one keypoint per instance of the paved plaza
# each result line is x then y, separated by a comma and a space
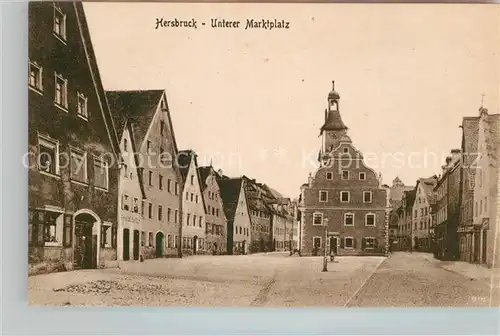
270, 280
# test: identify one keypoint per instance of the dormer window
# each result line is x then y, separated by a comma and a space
59, 23
346, 150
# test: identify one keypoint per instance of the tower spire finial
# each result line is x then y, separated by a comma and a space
333, 85
482, 99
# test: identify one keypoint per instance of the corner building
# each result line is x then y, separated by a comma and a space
344, 194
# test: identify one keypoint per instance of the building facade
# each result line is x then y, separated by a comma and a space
216, 223
237, 214
447, 209
73, 147
156, 149
422, 217
193, 205
486, 194
344, 199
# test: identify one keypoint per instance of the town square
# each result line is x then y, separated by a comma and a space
160, 177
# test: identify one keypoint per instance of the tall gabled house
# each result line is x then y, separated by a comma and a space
73, 146
148, 116
422, 216
193, 205
236, 210
216, 223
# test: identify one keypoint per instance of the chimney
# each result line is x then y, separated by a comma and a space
456, 155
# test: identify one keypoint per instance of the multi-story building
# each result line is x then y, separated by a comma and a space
131, 184
216, 224
422, 217
486, 189
469, 237
232, 191
259, 201
447, 208
73, 147
344, 197
156, 150
405, 222
193, 205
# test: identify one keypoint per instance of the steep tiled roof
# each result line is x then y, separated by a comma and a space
333, 122
204, 172
410, 198
184, 159
229, 192
139, 107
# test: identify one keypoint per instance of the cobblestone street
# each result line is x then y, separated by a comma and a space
273, 280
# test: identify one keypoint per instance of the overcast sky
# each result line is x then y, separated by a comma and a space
255, 99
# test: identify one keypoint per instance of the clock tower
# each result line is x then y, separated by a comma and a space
333, 128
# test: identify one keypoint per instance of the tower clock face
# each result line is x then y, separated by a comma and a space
333, 135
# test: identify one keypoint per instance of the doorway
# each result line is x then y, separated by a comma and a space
334, 245
85, 242
195, 244
159, 244
135, 243
126, 244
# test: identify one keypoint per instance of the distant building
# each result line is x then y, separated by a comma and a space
193, 205
215, 220
405, 221
447, 208
232, 191
74, 149
422, 217
344, 194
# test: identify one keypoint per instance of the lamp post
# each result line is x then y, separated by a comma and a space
325, 259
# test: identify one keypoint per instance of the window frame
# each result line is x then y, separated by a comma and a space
320, 242
329, 176
345, 218
48, 142
326, 198
64, 92
322, 218
348, 175
103, 164
85, 115
368, 193
348, 196
352, 243
362, 174
374, 219
77, 151
62, 35
366, 243
38, 78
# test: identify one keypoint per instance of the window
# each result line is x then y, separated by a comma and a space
150, 210
346, 150
345, 196
169, 215
176, 241
82, 106
35, 76
367, 196
370, 243
125, 145
162, 127
78, 165
48, 160
348, 219
362, 176
160, 182
323, 196
150, 178
59, 23
329, 176
125, 202
188, 218
217, 212
101, 174
150, 234
317, 242
176, 188
106, 236
370, 219
192, 197
143, 238
142, 209
169, 185
196, 198
61, 93
200, 221
125, 170
48, 228
160, 212
192, 180
169, 241
136, 205
317, 218
345, 175
349, 242
194, 220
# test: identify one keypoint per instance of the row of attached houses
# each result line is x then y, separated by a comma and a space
455, 215
107, 181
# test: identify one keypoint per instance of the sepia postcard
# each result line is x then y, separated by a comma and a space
265, 155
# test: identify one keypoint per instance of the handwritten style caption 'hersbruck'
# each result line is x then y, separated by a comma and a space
266, 24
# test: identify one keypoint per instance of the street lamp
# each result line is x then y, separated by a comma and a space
325, 260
